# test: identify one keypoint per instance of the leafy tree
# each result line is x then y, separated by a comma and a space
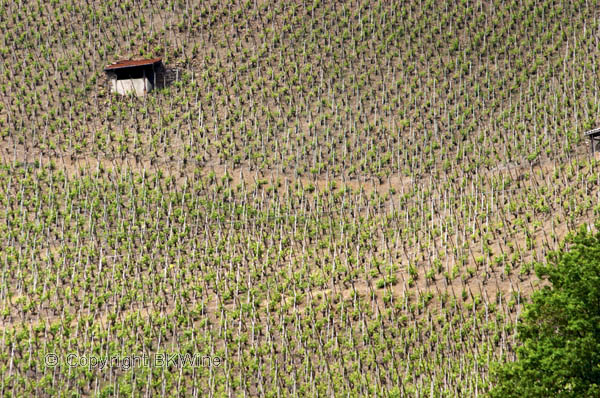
560, 329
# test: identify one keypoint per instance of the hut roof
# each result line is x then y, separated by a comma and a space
593, 132
131, 63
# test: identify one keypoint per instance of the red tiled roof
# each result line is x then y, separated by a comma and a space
131, 63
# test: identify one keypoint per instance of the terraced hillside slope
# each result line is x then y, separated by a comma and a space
332, 198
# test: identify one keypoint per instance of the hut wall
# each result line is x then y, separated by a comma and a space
139, 86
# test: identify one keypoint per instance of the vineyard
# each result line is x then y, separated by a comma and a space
332, 198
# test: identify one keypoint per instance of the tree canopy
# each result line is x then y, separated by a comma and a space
559, 332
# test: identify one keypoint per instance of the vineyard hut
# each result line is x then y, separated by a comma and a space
594, 136
133, 76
